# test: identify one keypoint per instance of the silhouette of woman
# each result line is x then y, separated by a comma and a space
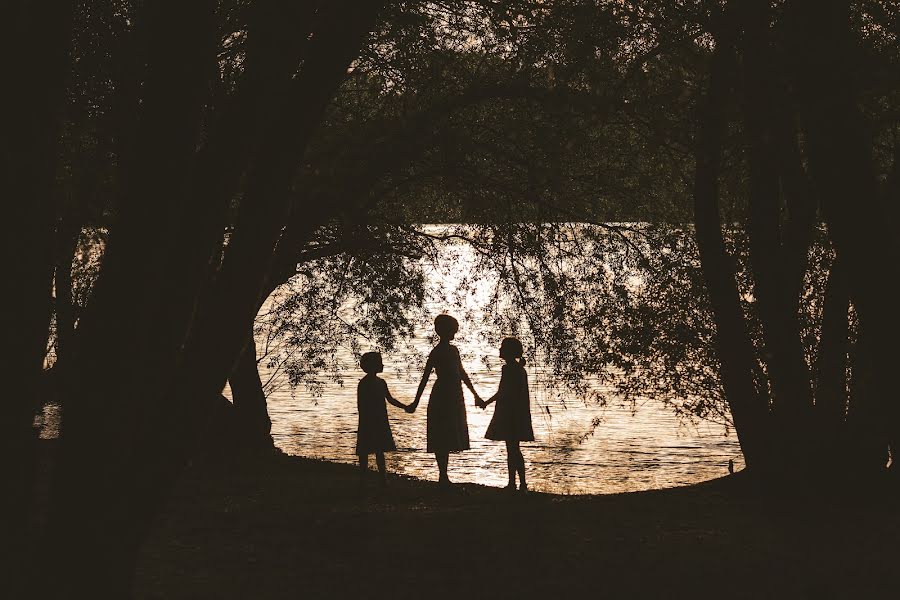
447, 430
512, 416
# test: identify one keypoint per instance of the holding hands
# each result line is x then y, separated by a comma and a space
479, 402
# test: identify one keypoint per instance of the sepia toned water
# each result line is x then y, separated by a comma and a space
632, 448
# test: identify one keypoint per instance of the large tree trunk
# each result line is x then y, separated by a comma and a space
35, 43
866, 429
775, 260
124, 333
252, 418
127, 442
840, 157
735, 351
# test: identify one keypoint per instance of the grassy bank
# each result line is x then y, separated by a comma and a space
286, 527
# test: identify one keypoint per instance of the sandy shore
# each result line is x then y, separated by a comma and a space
286, 527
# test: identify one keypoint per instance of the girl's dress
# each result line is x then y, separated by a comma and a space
374, 432
512, 412
447, 429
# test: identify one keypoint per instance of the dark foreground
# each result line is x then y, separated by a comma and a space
286, 527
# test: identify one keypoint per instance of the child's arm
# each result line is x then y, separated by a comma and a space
429, 367
391, 399
500, 390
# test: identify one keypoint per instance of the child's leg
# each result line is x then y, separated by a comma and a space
520, 466
363, 465
443, 459
379, 460
511, 463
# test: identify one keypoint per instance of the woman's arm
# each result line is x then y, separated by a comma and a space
465, 378
429, 367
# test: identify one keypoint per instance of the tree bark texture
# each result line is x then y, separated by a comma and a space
840, 157
775, 262
163, 305
36, 43
734, 348
252, 418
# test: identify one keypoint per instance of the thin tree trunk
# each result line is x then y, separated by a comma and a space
831, 365
67, 236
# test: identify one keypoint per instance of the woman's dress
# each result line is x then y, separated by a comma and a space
447, 429
374, 432
512, 412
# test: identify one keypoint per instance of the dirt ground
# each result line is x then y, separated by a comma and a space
287, 527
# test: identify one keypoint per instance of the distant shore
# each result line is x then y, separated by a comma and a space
287, 527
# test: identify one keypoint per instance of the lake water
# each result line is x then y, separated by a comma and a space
632, 448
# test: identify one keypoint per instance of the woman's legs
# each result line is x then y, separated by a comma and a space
379, 460
443, 459
363, 465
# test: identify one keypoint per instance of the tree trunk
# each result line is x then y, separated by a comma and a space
35, 42
866, 430
831, 367
67, 236
189, 340
253, 423
774, 265
840, 157
735, 351
122, 335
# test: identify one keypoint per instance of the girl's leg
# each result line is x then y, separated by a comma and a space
520, 467
379, 460
511, 464
363, 465
443, 458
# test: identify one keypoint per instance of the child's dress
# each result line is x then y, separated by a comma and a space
512, 412
447, 429
374, 432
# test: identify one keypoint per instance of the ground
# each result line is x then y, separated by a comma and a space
287, 527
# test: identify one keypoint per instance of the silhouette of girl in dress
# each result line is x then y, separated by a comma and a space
512, 416
447, 430
373, 435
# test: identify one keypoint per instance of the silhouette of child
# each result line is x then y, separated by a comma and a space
374, 432
511, 422
447, 430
